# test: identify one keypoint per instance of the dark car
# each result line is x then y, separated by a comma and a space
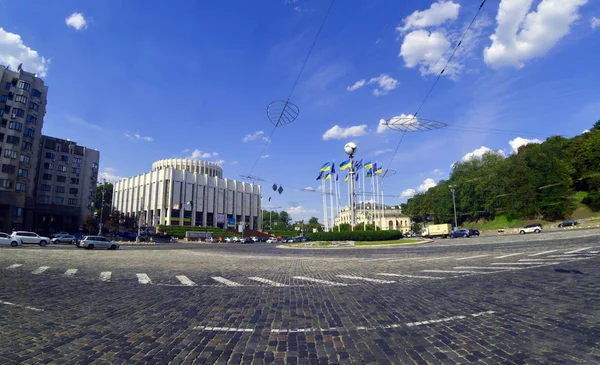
461, 233
473, 232
568, 223
248, 240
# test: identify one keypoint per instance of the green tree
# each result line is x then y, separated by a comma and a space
90, 225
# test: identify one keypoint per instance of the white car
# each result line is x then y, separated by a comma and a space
92, 242
272, 240
31, 237
230, 239
253, 238
6, 239
532, 228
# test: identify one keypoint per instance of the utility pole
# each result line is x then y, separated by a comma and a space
454, 203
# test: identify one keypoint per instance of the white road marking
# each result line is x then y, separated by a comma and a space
542, 253
366, 279
409, 276
594, 252
319, 281
40, 270
14, 266
472, 257
578, 250
436, 258
266, 281
184, 280
143, 279
21, 306
70, 272
509, 255
106, 275
540, 260
225, 281
482, 268
224, 329
516, 263
451, 271
573, 256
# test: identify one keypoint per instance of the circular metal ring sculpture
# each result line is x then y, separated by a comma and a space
413, 124
282, 112
387, 173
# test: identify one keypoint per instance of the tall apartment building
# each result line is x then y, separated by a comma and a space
22, 110
65, 187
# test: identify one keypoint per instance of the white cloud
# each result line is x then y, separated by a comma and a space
308, 188
381, 152
521, 36
256, 136
219, 162
357, 85
337, 132
235, 162
426, 185
427, 50
13, 52
437, 14
477, 153
110, 175
397, 121
518, 142
386, 84
265, 156
299, 212
382, 126
77, 21
585, 131
82, 123
595, 22
437, 172
197, 154
215, 154
138, 137
408, 193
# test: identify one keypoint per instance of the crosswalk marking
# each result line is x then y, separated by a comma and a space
14, 266
266, 281
40, 270
542, 253
451, 271
509, 255
516, 263
106, 275
409, 276
184, 280
482, 268
319, 281
366, 279
70, 272
540, 260
578, 250
472, 257
225, 281
143, 279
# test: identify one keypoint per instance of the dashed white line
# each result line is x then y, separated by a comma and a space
366, 279
319, 281
516, 263
225, 281
266, 281
143, 278
410, 276
509, 255
540, 260
14, 266
106, 275
40, 270
542, 253
70, 272
184, 280
21, 306
483, 268
451, 271
578, 250
471, 257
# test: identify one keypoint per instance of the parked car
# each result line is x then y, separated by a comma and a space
236, 239
568, 223
6, 239
248, 240
64, 239
229, 239
58, 234
501, 230
254, 239
460, 233
210, 240
531, 228
92, 242
31, 237
272, 240
473, 232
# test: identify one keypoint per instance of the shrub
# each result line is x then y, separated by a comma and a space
593, 200
356, 236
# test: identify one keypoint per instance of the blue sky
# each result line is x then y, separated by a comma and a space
142, 82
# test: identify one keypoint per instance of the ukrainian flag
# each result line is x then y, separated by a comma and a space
346, 178
369, 173
379, 170
320, 176
326, 167
368, 165
327, 176
345, 165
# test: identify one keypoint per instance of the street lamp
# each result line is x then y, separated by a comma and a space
102, 205
350, 149
454, 203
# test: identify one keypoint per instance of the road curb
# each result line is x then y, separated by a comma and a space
354, 247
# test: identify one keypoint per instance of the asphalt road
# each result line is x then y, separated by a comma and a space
529, 299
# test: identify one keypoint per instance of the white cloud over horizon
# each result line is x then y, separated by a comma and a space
198, 154
479, 152
437, 14
258, 135
426, 185
381, 152
138, 137
518, 142
76, 21
110, 175
337, 132
426, 50
14, 52
357, 85
595, 22
408, 193
385, 83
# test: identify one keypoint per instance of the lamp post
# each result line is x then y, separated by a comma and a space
454, 203
102, 206
350, 150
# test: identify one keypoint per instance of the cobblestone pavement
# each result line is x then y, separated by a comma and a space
495, 300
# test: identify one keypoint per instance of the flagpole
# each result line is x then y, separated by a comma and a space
363, 202
382, 203
337, 200
324, 206
331, 203
377, 200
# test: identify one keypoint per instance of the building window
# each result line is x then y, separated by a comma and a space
24, 85
61, 168
10, 153
45, 187
3, 99
10, 169
13, 139
21, 99
31, 119
72, 201
36, 93
59, 189
95, 166
2, 113
47, 176
17, 212
29, 132
50, 155
64, 158
4, 121
57, 147
7, 86
73, 191
48, 166
77, 160
6, 109
4, 183
26, 146
75, 180
18, 112
59, 200
44, 199
25, 159
23, 173
34, 106
1, 137
61, 178
76, 170
15, 125
21, 187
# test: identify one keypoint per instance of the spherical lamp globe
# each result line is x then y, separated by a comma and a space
350, 148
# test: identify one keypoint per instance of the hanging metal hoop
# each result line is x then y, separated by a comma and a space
413, 124
282, 112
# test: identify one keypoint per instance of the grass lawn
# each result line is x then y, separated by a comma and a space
393, 242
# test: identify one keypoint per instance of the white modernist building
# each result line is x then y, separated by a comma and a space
188, 192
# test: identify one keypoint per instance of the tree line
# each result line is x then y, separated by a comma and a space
537, 182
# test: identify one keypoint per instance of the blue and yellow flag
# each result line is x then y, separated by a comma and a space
368, 165
320, 176
358, 164
346, 178
379, 170
345, 165
327, 176
326, 167
369, 173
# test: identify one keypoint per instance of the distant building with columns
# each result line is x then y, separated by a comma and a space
188, 192
384, 217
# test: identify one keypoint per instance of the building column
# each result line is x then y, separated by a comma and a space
194, 204
169, 204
